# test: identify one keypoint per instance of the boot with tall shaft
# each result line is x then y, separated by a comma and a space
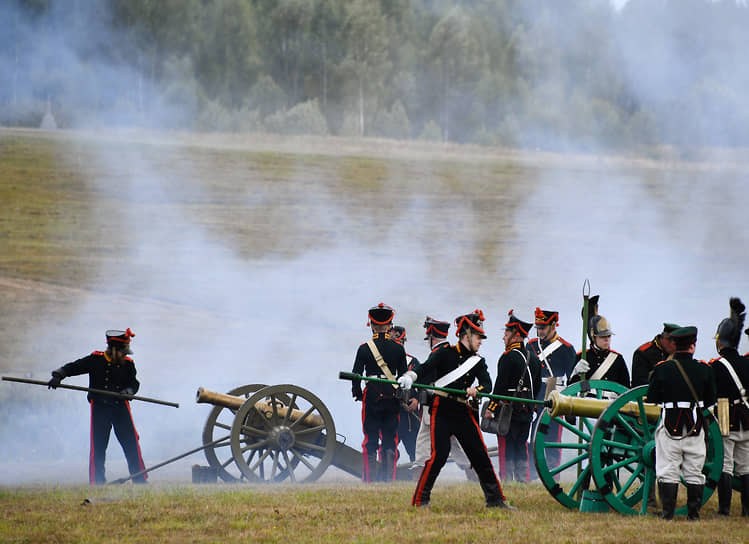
667, 493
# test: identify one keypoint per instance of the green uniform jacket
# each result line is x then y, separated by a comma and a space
644, 360
667, 385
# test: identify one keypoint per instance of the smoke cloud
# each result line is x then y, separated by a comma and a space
659, 242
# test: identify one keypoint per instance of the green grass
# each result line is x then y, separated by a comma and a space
327, 513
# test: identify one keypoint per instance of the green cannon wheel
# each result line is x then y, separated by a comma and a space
559, 475
622, 455
281, 432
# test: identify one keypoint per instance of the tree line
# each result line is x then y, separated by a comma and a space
562, 74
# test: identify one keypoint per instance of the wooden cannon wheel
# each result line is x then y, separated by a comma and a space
622, 455
218, 427
280, 432
559, 475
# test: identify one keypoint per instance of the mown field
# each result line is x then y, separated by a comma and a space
327, 513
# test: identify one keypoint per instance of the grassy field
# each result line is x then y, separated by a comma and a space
327, 513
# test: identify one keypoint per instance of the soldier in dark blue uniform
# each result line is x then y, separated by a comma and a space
731, 372
384, 358
651, 353
457, 367
110, 370
518, 375
683, 386
557, 357
436, 336
408, 427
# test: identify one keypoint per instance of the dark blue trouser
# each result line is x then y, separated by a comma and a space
104, 417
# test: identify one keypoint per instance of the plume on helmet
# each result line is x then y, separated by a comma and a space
729, 329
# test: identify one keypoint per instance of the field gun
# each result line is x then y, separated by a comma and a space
611, 444
274, 433
615, 444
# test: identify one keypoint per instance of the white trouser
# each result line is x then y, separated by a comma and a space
684, 457
736, 452
424, 445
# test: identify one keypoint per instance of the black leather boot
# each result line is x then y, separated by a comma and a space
667, 493
387, 470
369, 468
725, 490
745, 495
694, 501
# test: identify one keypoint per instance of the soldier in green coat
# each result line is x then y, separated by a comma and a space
683, 386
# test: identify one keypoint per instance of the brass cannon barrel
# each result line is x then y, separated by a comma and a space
265, 408
564, 405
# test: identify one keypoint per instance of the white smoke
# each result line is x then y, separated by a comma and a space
658, 244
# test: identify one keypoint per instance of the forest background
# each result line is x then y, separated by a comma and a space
562, 75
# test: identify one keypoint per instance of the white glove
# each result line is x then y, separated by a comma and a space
407, 380
581, 367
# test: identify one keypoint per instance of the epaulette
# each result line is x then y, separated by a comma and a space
563, 341
128, 358
614, 351
711, 361
703, 362
661, 362
441, 346
645, 346
99, 353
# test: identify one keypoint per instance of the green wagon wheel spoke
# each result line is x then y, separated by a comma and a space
648, 431
588, 425
567, 445
621, 420
579, 482
634, 477
620, 464
571, 463
617, 448
648, 483
559, 447
571, 428
621, 445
